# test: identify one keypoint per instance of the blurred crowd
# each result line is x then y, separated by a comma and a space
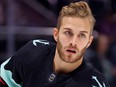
102, 52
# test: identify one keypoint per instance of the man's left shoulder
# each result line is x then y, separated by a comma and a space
90, 77
97, 78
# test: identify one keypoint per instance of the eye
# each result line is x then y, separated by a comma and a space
69, 33
82, 35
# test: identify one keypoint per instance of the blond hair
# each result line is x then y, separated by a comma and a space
78, 9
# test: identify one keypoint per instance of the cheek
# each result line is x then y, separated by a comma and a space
63, 40
83, 44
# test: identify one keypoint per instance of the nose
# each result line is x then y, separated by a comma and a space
74, 41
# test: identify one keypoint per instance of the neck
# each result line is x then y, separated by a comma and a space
61, 66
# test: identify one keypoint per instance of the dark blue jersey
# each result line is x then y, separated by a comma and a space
32, 66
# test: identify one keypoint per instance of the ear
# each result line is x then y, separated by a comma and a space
90, 41
55, 34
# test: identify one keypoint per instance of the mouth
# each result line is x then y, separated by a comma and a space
71, 51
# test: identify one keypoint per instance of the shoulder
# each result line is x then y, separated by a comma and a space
98, 78
38, 44
34, 49
90, 77
30, 58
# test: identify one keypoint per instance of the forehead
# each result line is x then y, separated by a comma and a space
76, 24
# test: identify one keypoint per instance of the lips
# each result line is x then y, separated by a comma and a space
71, 51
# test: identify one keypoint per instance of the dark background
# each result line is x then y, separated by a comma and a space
25, 20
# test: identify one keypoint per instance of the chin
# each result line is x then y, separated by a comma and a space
70, 60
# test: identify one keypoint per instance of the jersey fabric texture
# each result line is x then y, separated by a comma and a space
32, 66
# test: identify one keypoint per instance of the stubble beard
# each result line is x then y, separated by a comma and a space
63, 56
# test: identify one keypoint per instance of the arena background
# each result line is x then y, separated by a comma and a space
25, 20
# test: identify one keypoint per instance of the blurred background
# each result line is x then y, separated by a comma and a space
25, 20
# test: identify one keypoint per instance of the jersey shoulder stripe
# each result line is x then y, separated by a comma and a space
6, 75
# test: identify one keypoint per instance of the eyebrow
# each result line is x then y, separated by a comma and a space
80, 31
68, 29
84, 32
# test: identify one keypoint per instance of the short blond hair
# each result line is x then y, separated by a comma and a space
78, 9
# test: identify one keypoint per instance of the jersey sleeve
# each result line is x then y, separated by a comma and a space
6, 75
98, 79
14, 69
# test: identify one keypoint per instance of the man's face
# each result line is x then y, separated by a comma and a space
73, 38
